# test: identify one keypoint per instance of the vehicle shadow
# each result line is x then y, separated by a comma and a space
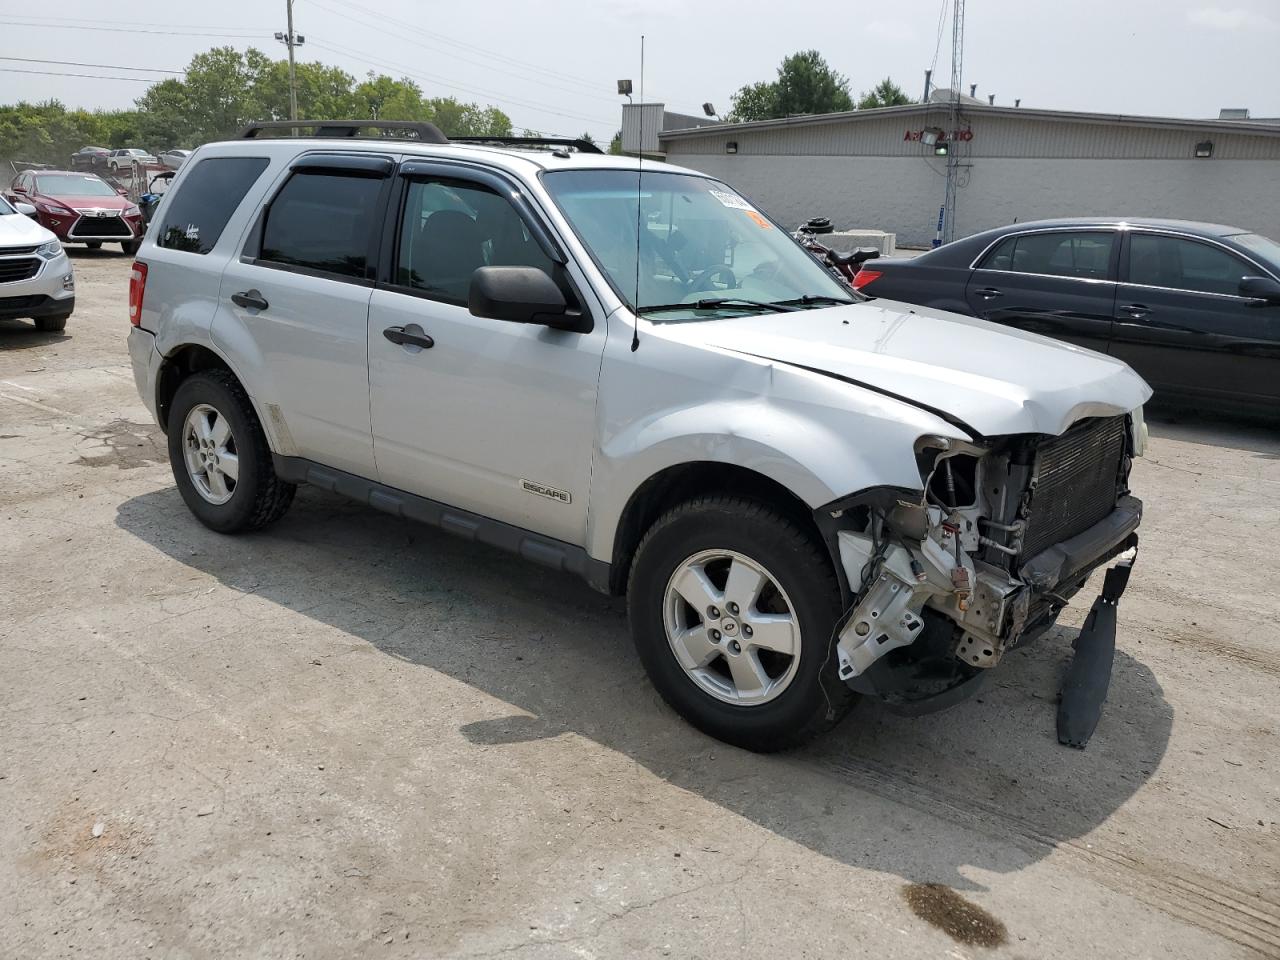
108, 251
984, 785
1255, 434
23, 335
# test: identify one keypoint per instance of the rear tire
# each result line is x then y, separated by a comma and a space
130, 247
52, 324
776, 699
212, 422
94, 244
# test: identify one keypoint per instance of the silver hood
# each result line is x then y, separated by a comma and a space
992, 379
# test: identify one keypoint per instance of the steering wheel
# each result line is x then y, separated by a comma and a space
705, 279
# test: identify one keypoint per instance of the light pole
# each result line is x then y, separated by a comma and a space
291, 40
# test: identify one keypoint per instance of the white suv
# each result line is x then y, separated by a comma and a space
635, 375
36, 277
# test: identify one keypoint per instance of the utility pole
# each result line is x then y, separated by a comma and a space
953, 157
291, 40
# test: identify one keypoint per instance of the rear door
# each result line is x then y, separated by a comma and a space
298, 299
493, 417
1057, 283
1181, 323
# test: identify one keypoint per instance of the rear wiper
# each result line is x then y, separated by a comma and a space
808, 300
718, 303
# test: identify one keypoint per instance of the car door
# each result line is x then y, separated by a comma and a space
298, 299
1058, 283
494, 417
1181, 322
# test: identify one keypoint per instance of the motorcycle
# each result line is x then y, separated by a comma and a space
844, 265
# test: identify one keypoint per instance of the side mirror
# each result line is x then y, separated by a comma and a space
26, 209
122, 191
520, 295
1261, 288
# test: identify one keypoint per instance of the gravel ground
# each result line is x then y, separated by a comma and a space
349, 736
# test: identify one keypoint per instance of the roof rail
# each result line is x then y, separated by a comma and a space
339, 129
582, 146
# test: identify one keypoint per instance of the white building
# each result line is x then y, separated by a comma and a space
876, 168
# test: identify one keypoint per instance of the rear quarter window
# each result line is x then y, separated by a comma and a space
199, 210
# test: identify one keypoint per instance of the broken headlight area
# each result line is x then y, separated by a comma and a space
945, 579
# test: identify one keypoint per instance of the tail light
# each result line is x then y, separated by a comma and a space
863, 277
137, 287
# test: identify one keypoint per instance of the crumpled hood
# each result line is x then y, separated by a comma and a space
994, 379
17, 230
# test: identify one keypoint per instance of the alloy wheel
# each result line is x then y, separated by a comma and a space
732, 627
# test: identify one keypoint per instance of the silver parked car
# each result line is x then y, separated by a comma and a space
634, 375
125, 158
173, 159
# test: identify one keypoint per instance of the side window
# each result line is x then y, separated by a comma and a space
1158, 261
210, 193
322, 221
1000, 257
451, 228
1077, 254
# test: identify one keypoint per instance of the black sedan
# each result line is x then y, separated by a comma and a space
90, 158
1193, 307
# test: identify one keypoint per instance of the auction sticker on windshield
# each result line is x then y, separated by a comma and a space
731, 200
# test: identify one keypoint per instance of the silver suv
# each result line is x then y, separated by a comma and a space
635, 375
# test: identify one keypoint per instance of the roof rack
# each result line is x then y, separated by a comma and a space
582, 146
339, 129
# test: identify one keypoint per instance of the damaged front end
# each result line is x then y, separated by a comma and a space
946, 579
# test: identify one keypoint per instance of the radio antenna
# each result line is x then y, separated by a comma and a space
635, 330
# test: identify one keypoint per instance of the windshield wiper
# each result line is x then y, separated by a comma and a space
808, 300
718, 303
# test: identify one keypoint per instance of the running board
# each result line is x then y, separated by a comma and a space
1084, 689
534, 547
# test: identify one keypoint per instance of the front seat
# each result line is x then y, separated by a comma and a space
449, 250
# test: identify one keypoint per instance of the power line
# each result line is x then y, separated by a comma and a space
104, 66
413, 74
524, 75
90, 76
242, 35
490, 55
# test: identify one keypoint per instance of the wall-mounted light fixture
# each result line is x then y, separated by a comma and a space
1204, 149
930, 135
941, 150
731, 146
624, 88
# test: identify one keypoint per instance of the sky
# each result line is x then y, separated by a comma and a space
553, 65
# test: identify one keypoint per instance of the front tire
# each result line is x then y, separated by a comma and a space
220, 458
733, 607
94, 244
52, 324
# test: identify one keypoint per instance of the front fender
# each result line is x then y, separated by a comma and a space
820, 438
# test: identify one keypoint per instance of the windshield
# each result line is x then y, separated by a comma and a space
72, 185
699, 244
1266, 248
5, 208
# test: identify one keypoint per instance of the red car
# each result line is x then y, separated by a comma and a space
79, 208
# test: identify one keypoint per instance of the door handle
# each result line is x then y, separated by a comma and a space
250, 300
1136, 311
409, 337
989, 293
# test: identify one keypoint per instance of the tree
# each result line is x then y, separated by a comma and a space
587, 138
886, 93
805, 84
223, 90
615, 145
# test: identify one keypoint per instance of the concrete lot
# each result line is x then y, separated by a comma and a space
347, 736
